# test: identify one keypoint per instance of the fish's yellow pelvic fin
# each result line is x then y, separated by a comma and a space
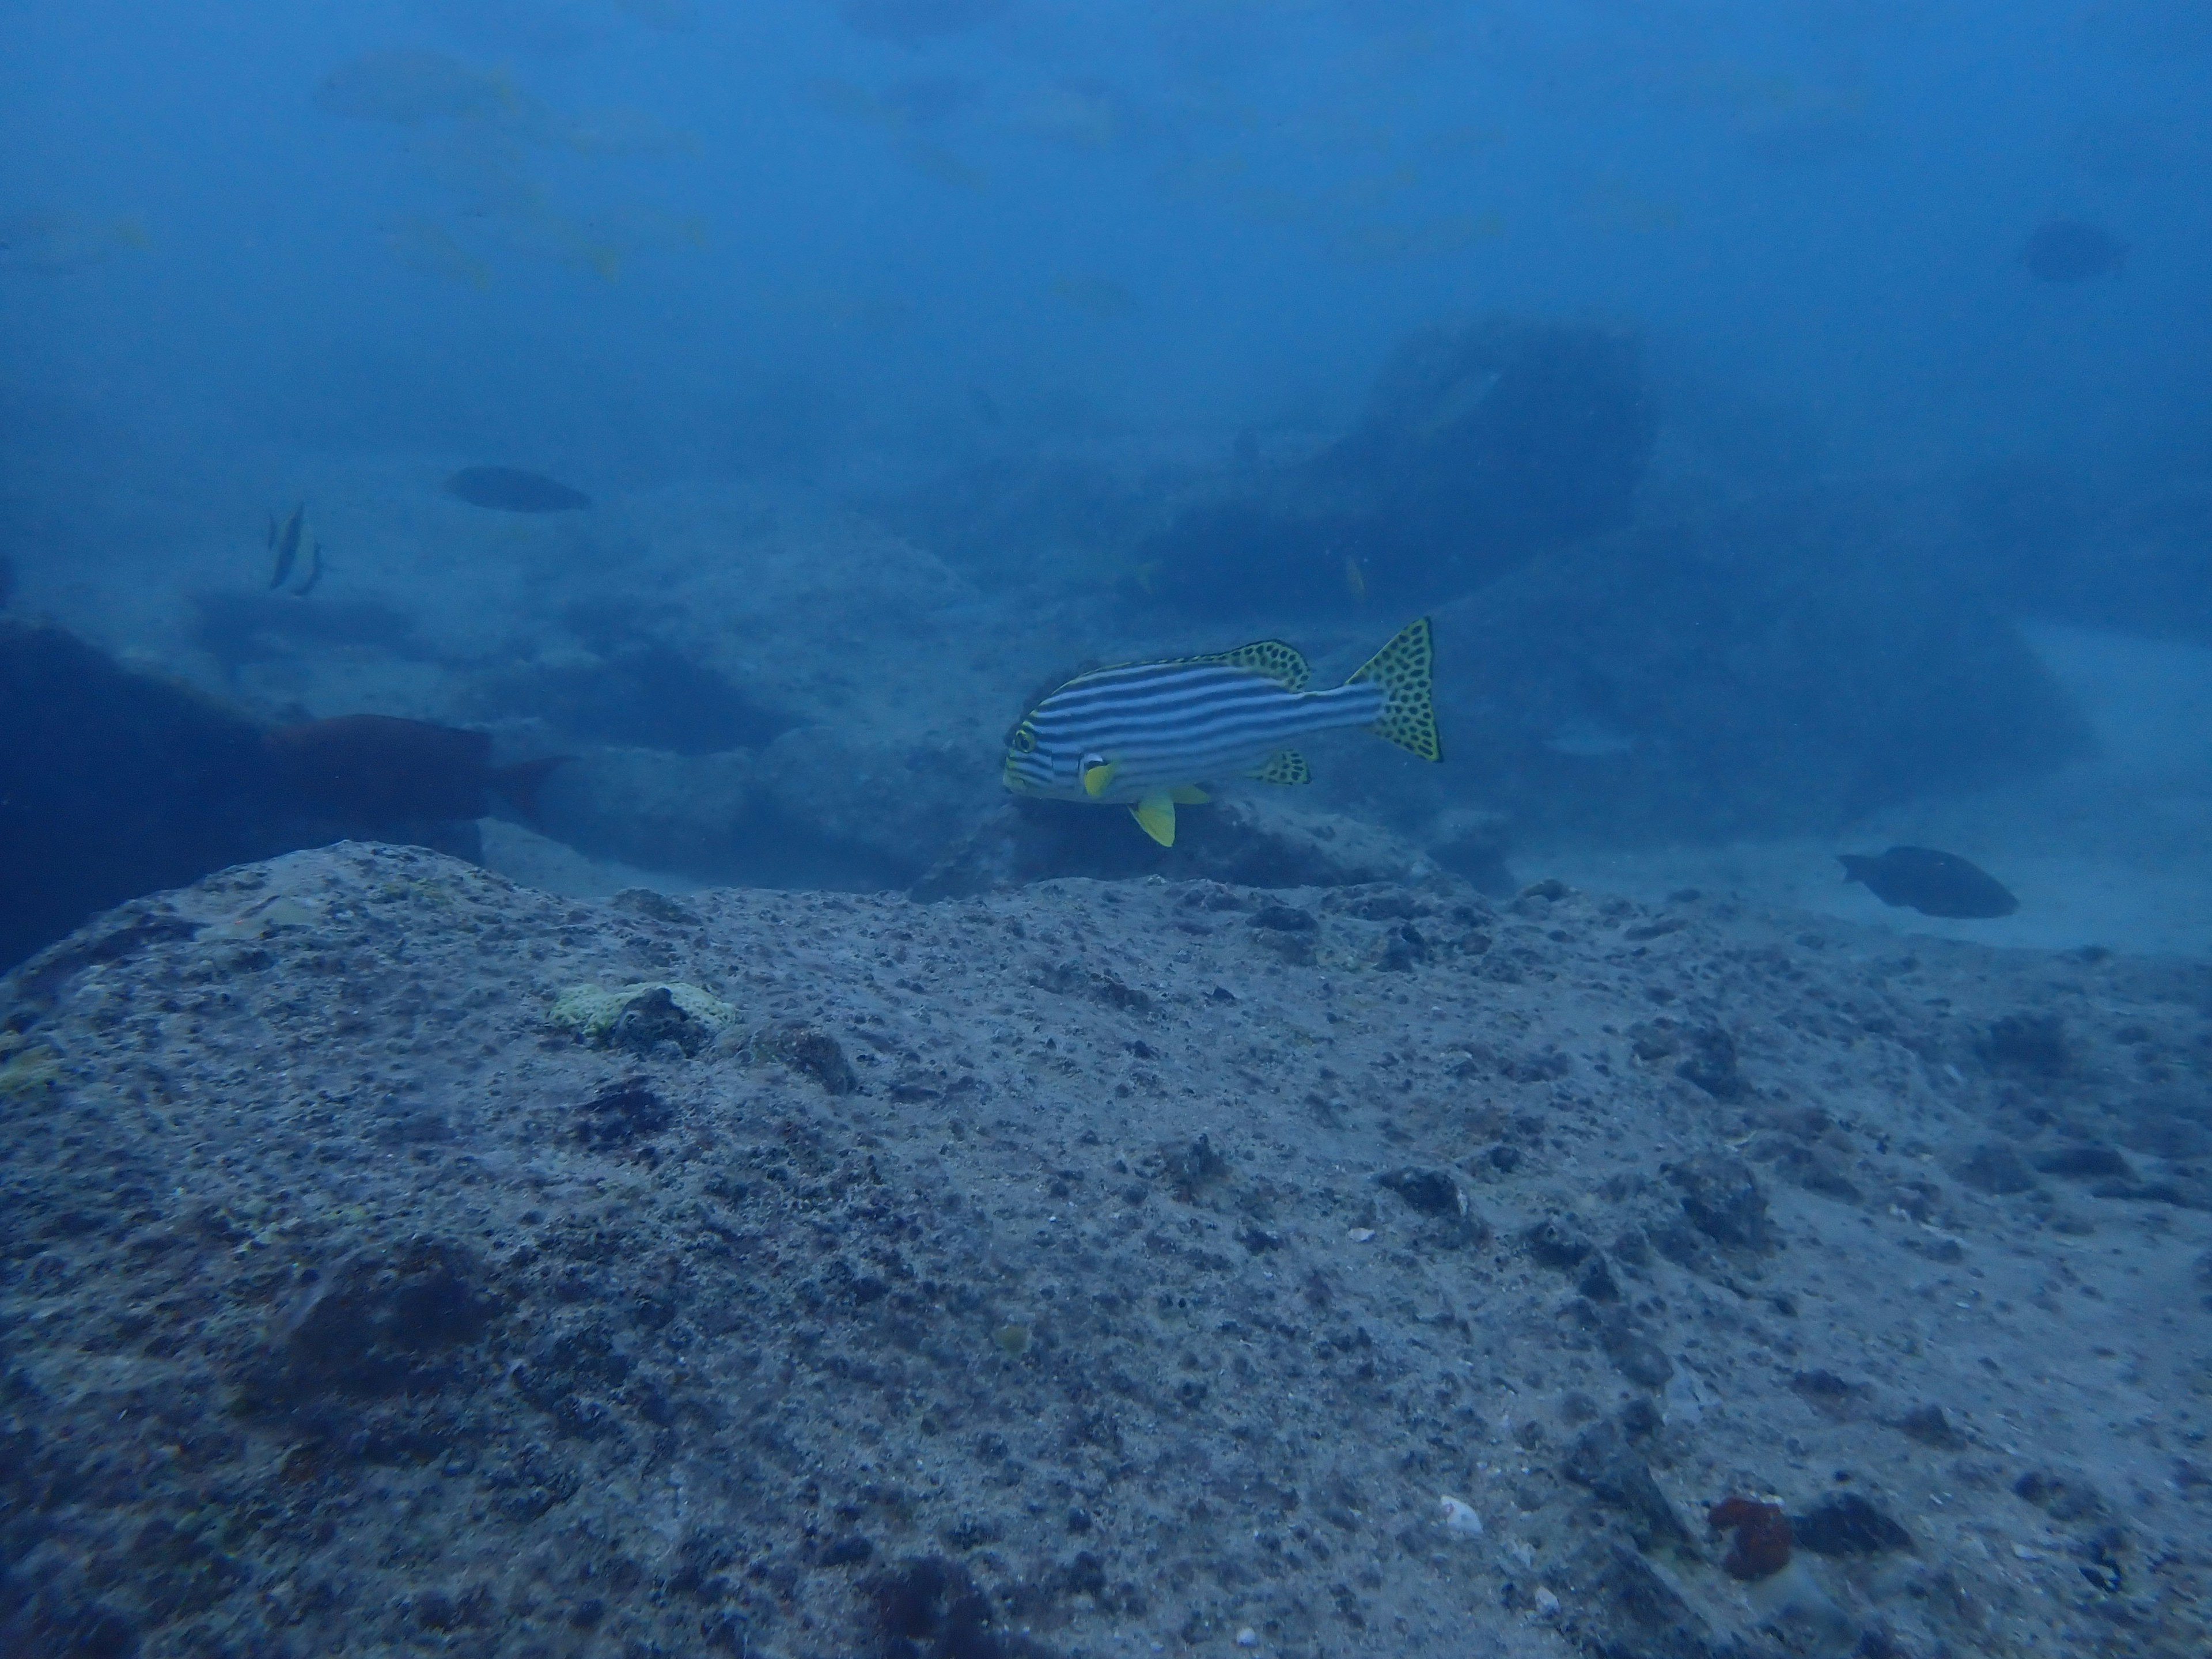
1406, 670
1285, 664
1284, 766
1155, 816
1097, 777
1188, 795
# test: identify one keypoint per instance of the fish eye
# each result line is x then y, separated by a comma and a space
1024, 740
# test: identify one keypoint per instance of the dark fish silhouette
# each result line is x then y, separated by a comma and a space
1935, 883
511, 489
380, 769
314, 575
2069, 251
285, 541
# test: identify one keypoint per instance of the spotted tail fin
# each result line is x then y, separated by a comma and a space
1406, 668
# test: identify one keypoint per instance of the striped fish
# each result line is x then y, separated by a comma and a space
1146, 735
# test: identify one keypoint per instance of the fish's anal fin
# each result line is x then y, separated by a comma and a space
1406, 670
1097, 777
1285, 664
1188, 795
1284, 766
1155, 816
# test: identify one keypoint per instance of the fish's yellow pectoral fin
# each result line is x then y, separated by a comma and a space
1096, 778
1188, 795
1155, 816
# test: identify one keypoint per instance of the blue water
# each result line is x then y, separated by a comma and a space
1108, 313
1146, 215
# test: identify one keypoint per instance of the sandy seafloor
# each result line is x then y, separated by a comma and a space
1094, 1270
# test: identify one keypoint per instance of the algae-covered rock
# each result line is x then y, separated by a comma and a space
642, 1016
26, 1068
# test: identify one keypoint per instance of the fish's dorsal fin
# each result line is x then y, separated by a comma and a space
1284, 766
1283, 664
1406, 670
1155, 816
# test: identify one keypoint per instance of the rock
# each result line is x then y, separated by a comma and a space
380, 1323
813, 1053
1473, 845
1633, 1354
1994, 1167
1710, 1063
1830, 1394
119, 784
1480, 448
1930, 1426
1558, 1240
1627, 1607
1073, 979
1847, 1524
2084, 1163
1601, 1460
1429, 1191
1258, 842
655, 906
2027, 1045
928, 1605
1597, 1282
641, 1018
1192, 1167
620, 1114
1777, 664
1724, 1202
2061, 1496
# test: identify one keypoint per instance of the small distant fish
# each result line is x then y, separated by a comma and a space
1355, 580
2069, 251
289, 541
511, 489
378, 769
284, 542
1935, 883
1144, 735
314, 576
